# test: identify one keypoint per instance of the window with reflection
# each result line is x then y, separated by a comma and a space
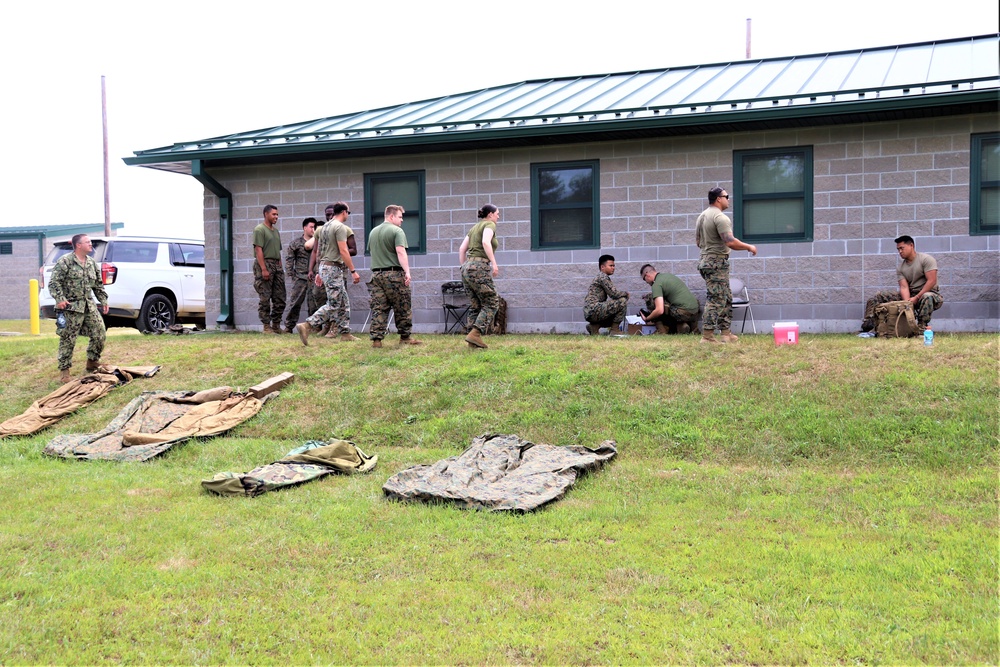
984, 179
773, 195
405, 189
565, 205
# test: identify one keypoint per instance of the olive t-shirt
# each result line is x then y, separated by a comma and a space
269, 241
382, 243
711, 225
330, 234
476, 239
674, 292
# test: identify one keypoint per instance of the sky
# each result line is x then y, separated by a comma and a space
184, 70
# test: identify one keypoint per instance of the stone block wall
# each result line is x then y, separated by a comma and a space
872, 183
16, 270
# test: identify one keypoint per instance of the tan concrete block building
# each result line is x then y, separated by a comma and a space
828, 158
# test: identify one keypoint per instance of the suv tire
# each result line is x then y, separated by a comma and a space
156, 314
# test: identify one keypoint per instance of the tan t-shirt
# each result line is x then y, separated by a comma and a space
915, 272
711, 225
330, 234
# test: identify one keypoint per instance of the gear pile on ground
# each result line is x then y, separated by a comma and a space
176, 330
72, 396
311, 461
500, 472
155, 421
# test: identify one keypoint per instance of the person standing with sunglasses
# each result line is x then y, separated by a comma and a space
714, 236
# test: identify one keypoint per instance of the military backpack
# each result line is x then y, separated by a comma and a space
895, 319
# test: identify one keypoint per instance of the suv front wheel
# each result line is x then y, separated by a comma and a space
157, 313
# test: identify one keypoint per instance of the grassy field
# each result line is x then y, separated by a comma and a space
830, 502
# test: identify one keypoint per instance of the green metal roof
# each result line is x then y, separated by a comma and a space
929, 78
34, 231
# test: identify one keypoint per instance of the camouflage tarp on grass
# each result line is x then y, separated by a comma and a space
155, 421
500, 472
72, 396
311, 461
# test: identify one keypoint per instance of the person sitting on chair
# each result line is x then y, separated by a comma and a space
672, 306
918, 284
604, 305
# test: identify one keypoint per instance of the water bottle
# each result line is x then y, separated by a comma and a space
928, 336
61, 320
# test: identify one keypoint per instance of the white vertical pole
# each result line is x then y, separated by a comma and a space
107, 195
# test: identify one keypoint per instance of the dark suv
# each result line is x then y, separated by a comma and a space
151, 282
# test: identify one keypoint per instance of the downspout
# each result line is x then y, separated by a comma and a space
226, 314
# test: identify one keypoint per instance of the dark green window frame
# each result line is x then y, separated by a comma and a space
414, 207
984, 185
542, 208
747, 199
6, 248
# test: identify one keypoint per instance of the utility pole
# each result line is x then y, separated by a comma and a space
748, 39
107, 192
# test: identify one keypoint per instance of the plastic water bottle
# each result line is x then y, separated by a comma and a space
928, 336
61, 320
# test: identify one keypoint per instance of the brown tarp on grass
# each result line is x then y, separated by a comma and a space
72, 396
155, 421
500, 472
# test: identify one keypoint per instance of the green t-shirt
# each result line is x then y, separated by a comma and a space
674, 292
382, 243
476, 239
269, 241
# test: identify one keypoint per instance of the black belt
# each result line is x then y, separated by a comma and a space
391, 268
332, 263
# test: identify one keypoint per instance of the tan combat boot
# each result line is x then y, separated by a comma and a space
64, 376
267, 329
410, 341
93, 365
475, 338
661, 328
304, 330
727, 336
708, 336
377, 344
347, 337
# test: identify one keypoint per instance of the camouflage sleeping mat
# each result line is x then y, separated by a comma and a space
72, 396
311, 461
500, 472
155, 421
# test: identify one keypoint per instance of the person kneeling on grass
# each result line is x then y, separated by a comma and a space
604, 305
673, 308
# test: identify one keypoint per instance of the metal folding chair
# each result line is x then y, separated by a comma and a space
454, 313
741, 299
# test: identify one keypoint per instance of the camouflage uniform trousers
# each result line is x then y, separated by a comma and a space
484, 302
719, 297
390, 293
316, 298
927, 304
606, 313
300, 288
271, 292
672, 315
337, 309
87, 324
